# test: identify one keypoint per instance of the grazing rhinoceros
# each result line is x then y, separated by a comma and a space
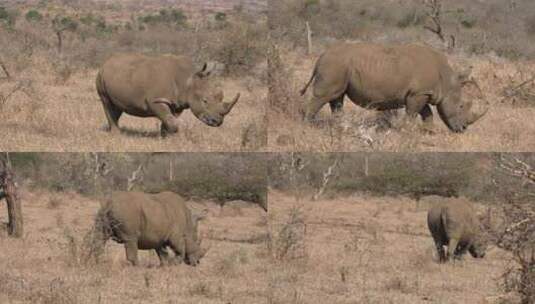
151, 221
454, 223
161, 86
385, 77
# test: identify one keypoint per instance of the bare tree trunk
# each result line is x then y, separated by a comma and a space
366, 166
14, 209
60, 42
171, 172
327, 175
309, 38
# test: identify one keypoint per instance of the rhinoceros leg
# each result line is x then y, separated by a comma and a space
164, 113
131, 251
163, 255
452, 247
178, 245
316, 103
440, 249
414, 105
427, 117
327, 88
112, 114
336, 106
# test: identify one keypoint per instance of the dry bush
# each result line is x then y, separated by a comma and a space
227, 266
283, 97
288, 242
241, 47
502, 27
519, 238
56, 291
517, 231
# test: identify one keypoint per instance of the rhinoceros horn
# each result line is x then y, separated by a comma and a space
474, 116
227, 106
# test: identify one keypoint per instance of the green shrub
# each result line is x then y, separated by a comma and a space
7, 17
34, 16
169, 17
220, 16
64, 23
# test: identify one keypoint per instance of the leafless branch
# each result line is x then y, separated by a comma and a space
434, 12
24, 86
137, 175
516, 167
327, 175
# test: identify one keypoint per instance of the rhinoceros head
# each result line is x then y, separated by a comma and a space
478, 249
194, 250
206, 102
457, 113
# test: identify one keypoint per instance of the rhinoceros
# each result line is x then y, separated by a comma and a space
159, 86
151, 221
454, 223
386, 77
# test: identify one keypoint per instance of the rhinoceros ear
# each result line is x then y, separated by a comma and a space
206, 70
464, 76
198, 215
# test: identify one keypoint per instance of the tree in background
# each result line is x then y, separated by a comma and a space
62, 24
9, 192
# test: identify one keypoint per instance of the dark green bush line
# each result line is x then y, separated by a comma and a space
219, 177
473, 175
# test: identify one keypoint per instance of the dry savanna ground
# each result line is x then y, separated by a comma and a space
44, 266
506, 127
362, 249
50, 114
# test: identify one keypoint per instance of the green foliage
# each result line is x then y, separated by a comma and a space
220, 16
23, 161
64, 23
34, 16
411, 18
219, 177
469, 22
243, 46
88, 19
164, 16
102, 28
310, 8
7, 17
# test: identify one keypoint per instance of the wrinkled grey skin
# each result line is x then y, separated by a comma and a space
386, 77
144, 221
159, 86
454, 224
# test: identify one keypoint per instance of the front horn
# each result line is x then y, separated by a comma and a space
228, 106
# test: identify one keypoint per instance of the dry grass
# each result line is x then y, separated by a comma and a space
505, 127
356, 254
44, 266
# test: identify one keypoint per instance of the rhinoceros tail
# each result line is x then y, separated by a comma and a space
314, 72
